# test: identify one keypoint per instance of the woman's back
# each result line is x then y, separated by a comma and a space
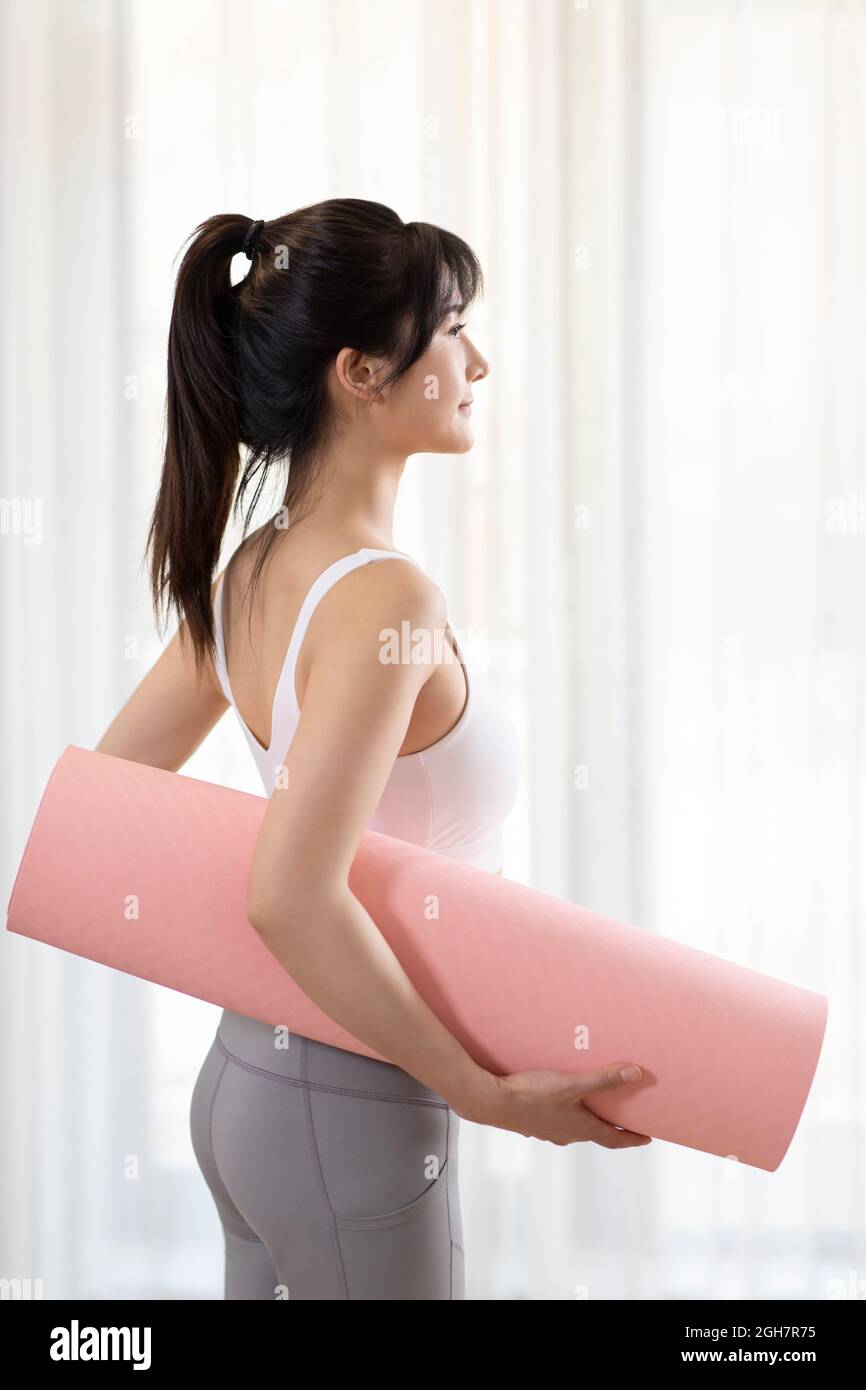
457, 773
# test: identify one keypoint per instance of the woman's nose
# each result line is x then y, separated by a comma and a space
481, 367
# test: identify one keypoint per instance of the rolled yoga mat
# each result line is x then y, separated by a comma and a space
146, 870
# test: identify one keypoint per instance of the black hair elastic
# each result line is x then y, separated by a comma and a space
249, 239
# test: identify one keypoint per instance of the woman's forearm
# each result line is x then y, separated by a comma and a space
336, 954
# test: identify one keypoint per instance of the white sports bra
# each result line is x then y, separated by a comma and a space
452, 797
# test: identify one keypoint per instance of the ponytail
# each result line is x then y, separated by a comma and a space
202, 432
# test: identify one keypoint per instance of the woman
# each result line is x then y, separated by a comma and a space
341, 352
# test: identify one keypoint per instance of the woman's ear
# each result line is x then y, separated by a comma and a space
359, 374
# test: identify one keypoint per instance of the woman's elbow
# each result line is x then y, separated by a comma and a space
281, 913
266, 910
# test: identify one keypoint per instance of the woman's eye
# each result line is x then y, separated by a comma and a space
456, 329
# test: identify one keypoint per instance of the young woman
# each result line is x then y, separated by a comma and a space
340, 353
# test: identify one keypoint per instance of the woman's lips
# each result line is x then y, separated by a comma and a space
467, 408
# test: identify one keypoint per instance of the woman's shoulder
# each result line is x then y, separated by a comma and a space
301, 559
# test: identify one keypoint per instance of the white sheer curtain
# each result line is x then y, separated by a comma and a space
658, 541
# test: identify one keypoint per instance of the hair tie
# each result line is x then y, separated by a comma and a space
249, 239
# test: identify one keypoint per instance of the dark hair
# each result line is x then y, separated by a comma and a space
248, 363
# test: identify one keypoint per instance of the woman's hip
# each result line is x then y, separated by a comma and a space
307, 1139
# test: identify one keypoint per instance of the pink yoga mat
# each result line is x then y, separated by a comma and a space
146, 871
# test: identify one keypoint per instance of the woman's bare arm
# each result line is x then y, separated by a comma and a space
169, 713
355, 712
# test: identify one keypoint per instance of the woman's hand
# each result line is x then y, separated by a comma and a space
548, 1105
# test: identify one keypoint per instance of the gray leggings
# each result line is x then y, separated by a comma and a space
334, 1175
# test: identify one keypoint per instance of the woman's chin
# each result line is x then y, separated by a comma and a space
459, 446
464, 438
457, 441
